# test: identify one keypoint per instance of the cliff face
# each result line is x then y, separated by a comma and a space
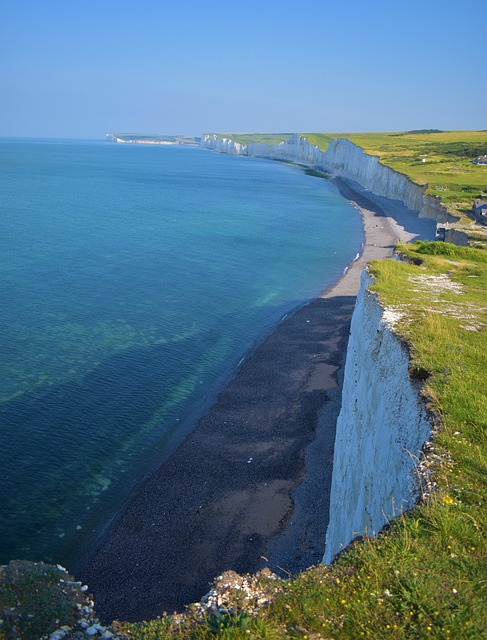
345, 160
381, 429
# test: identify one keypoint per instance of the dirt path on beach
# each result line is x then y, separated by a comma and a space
253, 478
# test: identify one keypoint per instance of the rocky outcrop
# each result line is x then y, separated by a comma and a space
345, 160
44, 601
456, 237
381, 429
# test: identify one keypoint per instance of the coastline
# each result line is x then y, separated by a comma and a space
250, 481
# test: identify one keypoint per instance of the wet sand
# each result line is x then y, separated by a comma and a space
249, 487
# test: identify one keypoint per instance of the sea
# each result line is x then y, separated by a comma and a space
134, 280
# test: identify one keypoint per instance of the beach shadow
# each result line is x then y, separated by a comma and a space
381, 207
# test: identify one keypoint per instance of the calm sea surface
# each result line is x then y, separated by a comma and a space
133, 279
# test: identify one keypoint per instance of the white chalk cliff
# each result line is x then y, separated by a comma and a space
345, 160
381, 429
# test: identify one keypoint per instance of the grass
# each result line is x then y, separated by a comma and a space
317, 174
445, 313
426, 575
36, 599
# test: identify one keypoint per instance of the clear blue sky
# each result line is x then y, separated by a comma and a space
83, 68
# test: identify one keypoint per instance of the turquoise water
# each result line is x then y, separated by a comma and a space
133, 280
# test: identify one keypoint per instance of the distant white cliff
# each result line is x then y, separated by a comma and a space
381, 429
345, 160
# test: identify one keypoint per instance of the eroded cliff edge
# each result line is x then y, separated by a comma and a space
345, 160
381, 429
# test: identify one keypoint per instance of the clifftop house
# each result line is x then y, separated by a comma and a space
479, 210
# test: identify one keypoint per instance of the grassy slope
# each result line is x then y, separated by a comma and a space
425, 576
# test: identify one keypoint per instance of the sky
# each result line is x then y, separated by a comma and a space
81, 69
